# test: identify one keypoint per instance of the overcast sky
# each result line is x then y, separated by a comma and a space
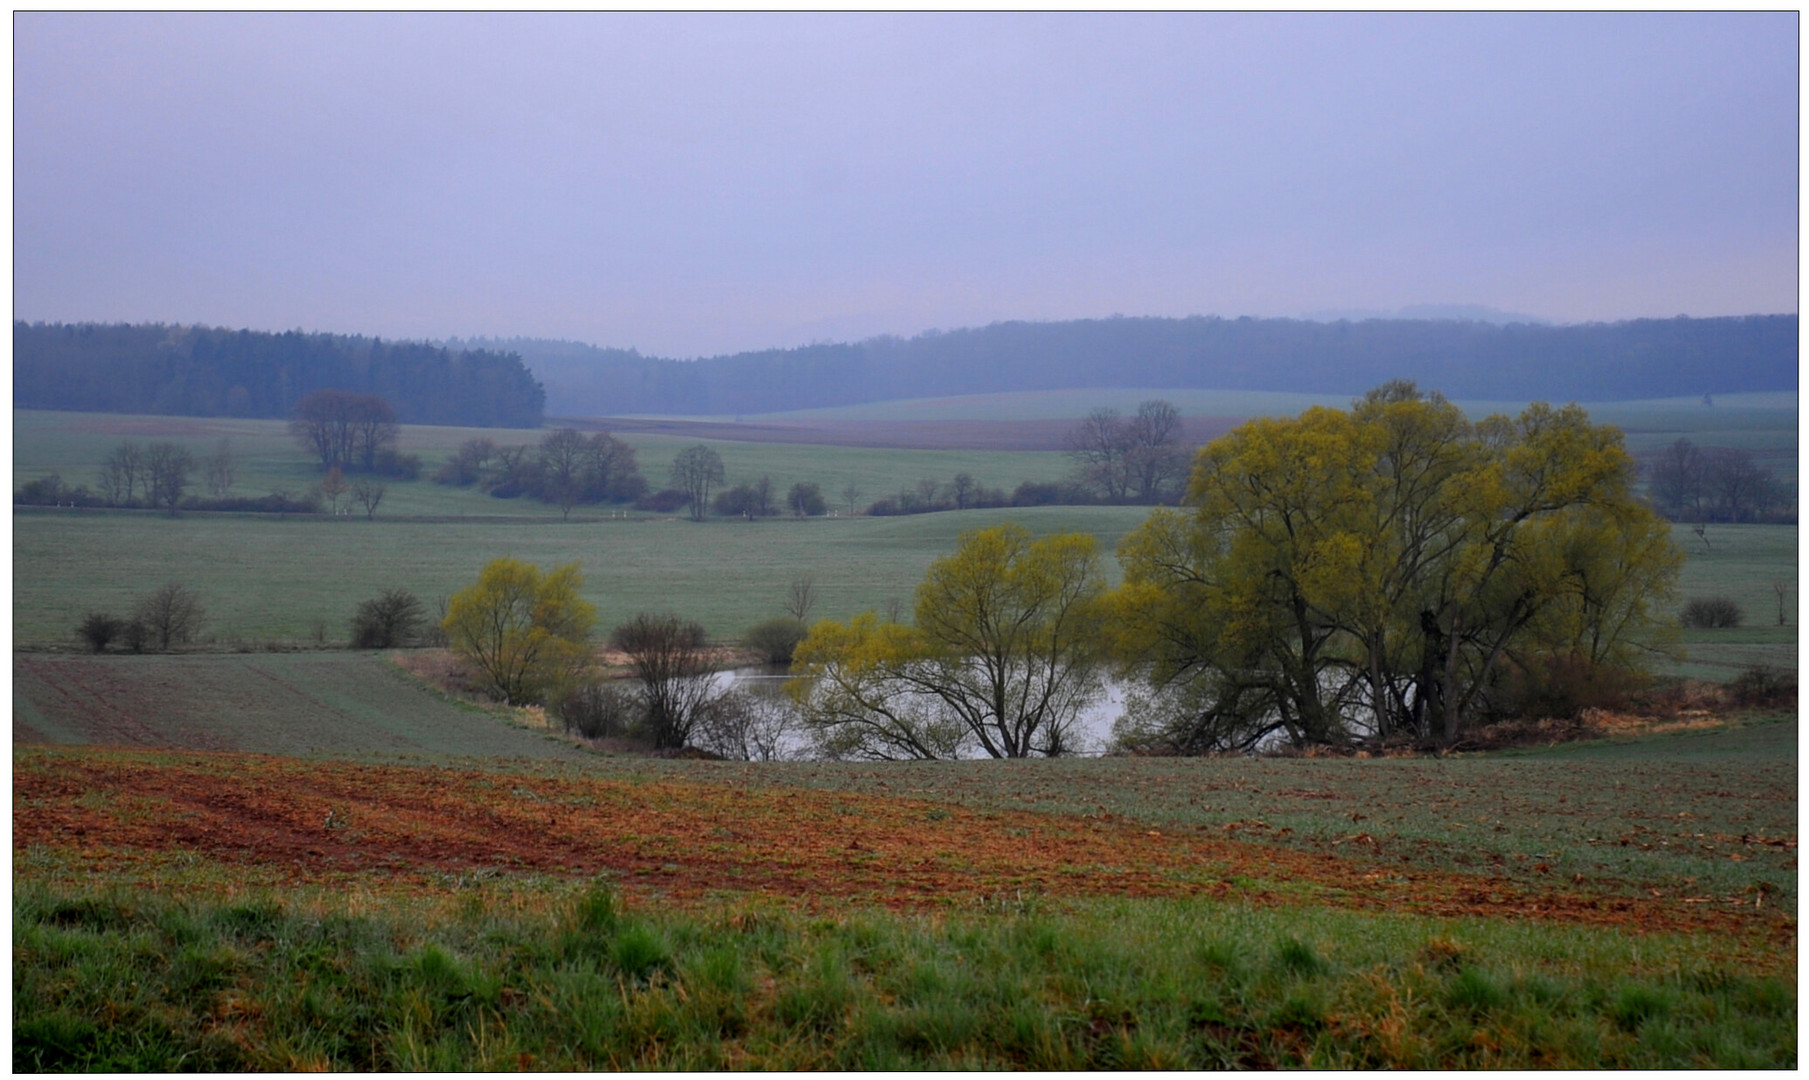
692, 184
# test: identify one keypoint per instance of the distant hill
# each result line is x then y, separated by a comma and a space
1457, 312
510, 383
203, 371
1638, 359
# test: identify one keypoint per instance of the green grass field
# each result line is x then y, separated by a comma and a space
1744, 563
560, 977
265, 578
133, 955
1764, 411
335, 704
73, 446
284, 579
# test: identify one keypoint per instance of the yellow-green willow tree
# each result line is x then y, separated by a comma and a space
1002, 656
526, 633
1345, 575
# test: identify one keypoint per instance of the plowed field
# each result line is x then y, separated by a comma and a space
410, 825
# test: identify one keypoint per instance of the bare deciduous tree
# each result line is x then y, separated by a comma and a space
345, 429
1152, 458
333, 485
962, 488
121, 474
218, 470
801, 597
369, 494
669, 656
170, 616
1138, 459
745, 727
167, 467
695, 471
563, 457
851, 493
1097, 447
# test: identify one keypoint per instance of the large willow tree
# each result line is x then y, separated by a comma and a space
1001, 658
1391, 569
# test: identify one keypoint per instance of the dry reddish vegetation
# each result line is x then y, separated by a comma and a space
324, 821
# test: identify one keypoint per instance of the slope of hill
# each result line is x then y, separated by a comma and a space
1641, 359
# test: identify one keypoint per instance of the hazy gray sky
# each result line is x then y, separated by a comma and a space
690, 184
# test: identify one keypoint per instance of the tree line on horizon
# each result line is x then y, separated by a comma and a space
205, 371
1640, 358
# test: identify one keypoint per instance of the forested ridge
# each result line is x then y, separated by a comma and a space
206, 371
487, 382
1642, 358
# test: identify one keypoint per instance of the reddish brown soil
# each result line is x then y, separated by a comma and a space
894, 434
321, 821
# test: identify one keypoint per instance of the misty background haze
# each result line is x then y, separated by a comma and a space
698, 184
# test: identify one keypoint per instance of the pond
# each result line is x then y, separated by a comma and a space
767, 682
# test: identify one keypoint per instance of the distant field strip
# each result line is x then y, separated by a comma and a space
335, 704
1048, 435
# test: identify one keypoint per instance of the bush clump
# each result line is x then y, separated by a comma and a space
389, 621
1712, 613
664, 501
598, 710
1762, 687
99, 630
776, 639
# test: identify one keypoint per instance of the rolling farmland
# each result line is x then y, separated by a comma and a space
272, 853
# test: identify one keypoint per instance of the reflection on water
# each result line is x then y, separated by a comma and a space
767, 682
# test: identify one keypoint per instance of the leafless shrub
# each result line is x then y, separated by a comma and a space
669, 656
99, 630
170, 616
388, 621
599, 710
1712, 613
1763, 687
745, 727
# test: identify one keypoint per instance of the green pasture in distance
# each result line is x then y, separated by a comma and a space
1741, 562
265, 578
1763, 423
876, 472
1733, 412
1067, 404
266, 458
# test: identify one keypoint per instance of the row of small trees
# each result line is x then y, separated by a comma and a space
566, 469
1715, 483
345, 430
1136, 459
169, 617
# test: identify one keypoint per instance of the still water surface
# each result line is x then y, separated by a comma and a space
1093, 732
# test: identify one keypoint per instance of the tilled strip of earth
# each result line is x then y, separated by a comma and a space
322, 821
